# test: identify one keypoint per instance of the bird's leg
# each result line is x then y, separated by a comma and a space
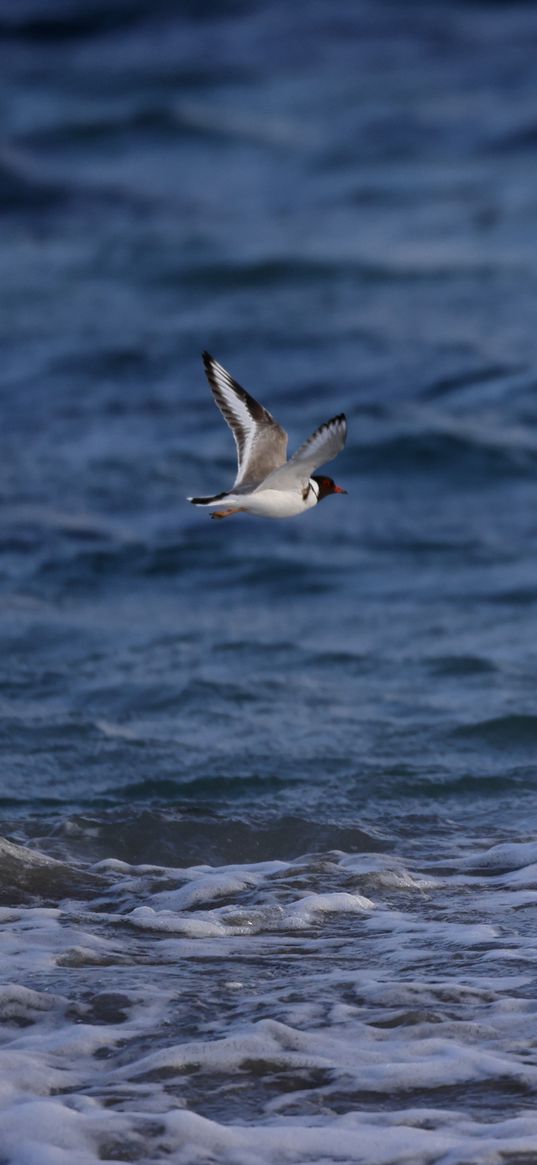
227, 513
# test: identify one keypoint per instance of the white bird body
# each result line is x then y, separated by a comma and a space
271, 503
266, 484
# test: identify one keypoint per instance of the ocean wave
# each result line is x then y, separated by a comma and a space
496, 376
462, 665
150, 118
466, 786
190, 834
466, 451
519, 138
24, 186
70, 21
516, 731
26, 874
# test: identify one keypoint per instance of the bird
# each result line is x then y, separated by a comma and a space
267, 484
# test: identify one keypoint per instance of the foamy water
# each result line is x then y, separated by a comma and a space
332, 1008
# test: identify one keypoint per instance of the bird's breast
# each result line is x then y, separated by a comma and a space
277, 503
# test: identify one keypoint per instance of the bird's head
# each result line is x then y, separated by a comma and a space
327, 486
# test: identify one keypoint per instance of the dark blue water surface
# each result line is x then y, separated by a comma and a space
338, 199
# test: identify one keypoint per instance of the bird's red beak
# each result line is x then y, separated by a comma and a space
339, 490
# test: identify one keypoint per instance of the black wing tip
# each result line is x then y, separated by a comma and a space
341, 419
212, 371
210, 365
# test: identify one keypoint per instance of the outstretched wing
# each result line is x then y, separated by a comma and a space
323, 445
261, 442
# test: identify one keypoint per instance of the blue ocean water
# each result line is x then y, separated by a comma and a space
269, 875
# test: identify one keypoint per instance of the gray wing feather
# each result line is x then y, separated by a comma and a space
261, 442
323, 445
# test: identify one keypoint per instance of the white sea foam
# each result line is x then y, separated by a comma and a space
396, 1140
278, 997
228, 920
504, 857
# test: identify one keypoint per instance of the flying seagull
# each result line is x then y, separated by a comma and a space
266, 483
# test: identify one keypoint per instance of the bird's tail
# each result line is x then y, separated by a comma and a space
207, 501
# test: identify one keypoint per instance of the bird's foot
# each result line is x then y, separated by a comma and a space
225, 513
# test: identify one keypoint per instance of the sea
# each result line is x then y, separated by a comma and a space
268, 822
